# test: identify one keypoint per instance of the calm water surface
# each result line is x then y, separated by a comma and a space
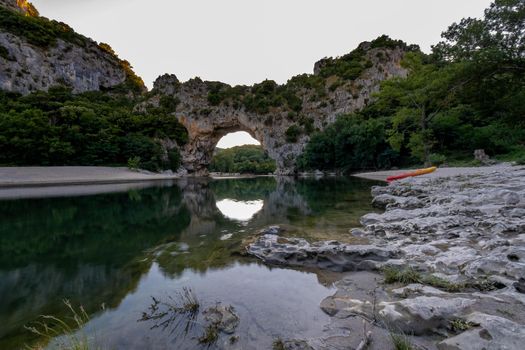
113, 248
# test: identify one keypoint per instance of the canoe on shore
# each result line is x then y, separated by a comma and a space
411, 174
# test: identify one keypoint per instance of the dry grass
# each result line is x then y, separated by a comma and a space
63, 334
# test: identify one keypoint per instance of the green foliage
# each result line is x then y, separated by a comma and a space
38, 31
4, 53
175, 159
403, 276
352, 65
169, 103
293, 133
437, 159
400, 341
468, 95
49, 327
278, 344
351, 143
134, 163
248, 159
307, 124
95, 128
408, 275
459, 325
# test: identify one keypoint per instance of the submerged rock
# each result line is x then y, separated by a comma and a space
223, 317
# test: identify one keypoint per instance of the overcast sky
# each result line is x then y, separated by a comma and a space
247, 41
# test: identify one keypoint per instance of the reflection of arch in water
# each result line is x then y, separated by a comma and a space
242, 211
278, 194
208, 224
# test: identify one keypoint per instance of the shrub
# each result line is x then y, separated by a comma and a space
134, 163
169, 103
175, 159
4, 53
437, 159
293, 133
404, 276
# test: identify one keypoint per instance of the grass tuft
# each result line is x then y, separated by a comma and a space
443, 284
408, 275
278, 344
178, 314
190, 303
405, 276
401, 341
210, 336
459, 325
62, 332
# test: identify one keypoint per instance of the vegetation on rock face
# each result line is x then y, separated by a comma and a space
95, 128
352, 65
468, 94
44, 33
38, 31
261, 98
248, 159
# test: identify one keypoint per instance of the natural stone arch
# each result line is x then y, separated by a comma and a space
207, 120
205, 133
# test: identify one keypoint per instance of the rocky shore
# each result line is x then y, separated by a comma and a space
443, 266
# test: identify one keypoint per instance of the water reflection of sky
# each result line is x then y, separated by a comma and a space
265, 300
239, 210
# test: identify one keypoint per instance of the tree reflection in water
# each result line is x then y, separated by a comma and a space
98, 249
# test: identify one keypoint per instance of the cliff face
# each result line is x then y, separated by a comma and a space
36, 54
280, 117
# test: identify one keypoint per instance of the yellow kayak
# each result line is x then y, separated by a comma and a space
411, 174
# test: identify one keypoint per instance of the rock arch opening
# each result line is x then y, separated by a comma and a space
240, 153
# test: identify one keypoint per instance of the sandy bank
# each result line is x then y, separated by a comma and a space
72, 175
441, 172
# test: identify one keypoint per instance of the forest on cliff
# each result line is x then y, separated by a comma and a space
467, 94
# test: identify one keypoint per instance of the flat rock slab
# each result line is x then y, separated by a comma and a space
330, 255
489, 332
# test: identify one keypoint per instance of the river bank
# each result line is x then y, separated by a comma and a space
88, 175
440, 172
443, 266
74, 175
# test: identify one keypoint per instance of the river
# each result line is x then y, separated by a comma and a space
114, 249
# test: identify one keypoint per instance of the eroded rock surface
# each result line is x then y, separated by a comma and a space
331, 255
488, 332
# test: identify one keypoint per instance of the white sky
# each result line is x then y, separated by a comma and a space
247, 41
237, 138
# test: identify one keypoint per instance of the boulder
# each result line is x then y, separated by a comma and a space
423, 314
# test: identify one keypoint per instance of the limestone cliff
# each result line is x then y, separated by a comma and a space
37, 53
280, 117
